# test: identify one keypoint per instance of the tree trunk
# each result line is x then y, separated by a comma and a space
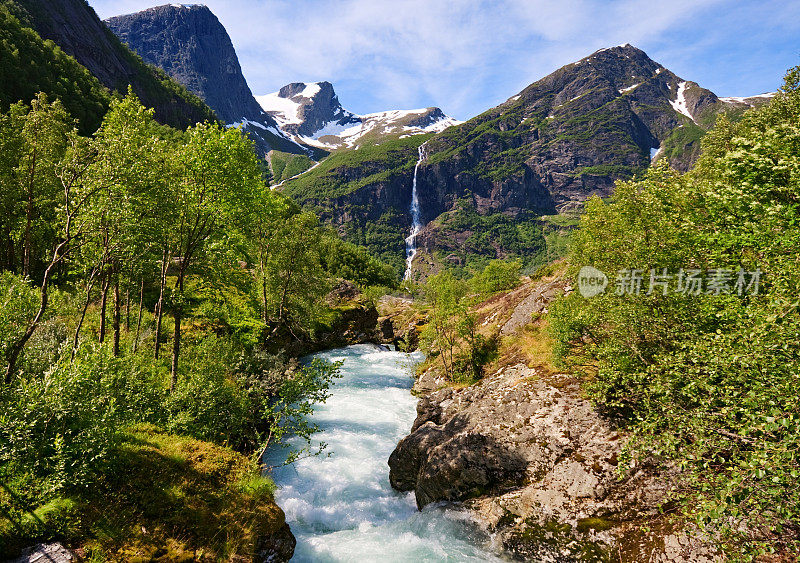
177, 314
176, 348
12, 356
128, 307
103, 304
117, 310
139, 318
264, 312
89, 285
160, 303
26, 244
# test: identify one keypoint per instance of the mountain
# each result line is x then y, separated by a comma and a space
75, 28
32, 65
484, 185
310, 113
191, 45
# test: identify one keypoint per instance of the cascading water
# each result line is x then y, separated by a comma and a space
341, 507
416, 225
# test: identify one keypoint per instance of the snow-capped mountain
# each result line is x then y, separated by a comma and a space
191, 45
310, 113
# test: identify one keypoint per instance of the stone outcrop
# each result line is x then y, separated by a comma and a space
190, 44
277, 547
534, 460
537, 465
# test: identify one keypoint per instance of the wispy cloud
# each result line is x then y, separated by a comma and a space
467, 55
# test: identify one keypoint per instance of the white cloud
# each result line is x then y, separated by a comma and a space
462, 55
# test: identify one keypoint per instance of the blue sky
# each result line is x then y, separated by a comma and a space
466, 56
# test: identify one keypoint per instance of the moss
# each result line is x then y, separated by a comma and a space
585, 525
166, 498
555, 537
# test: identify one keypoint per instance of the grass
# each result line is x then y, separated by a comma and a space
164, 498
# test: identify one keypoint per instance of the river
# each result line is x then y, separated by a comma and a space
340, 507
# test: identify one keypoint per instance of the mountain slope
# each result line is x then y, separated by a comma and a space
191, 45
32, 65
75, 28
310, 112
545, 150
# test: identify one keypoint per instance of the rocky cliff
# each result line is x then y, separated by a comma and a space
534, 461
74, 26
191, 45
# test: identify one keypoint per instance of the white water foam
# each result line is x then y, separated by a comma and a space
341, 507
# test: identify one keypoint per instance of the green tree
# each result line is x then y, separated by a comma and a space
705, 382
220, 183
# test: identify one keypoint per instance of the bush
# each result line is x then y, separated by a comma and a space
60, 426
707, 382
498, 275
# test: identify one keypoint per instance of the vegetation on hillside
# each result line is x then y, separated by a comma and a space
704, 376
284, 165
113, 247
344, 172
32, 65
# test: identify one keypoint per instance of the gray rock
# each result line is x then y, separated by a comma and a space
45, 553
538, 465
277, 547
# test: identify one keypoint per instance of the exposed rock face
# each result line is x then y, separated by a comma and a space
567, 136
45, 552
191, 45
74, 26
537, 464
310, 112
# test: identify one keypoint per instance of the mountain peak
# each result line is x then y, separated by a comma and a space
190, 44
310, 112
307, 90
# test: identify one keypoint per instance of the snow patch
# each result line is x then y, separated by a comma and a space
629, 88
679, 104
310, 90
744, 99
283, 110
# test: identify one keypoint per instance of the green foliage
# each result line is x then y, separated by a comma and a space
61, 426
451, 336
498, 275
285, 165
287, 412
32, 65
490, 236
708, 382
345, 260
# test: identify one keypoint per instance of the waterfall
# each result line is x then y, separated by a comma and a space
416, 225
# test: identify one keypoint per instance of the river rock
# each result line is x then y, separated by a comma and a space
277, 547
537, 464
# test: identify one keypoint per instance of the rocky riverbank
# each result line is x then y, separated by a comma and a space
534, 461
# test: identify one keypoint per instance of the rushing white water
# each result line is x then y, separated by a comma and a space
341, 507
416, 225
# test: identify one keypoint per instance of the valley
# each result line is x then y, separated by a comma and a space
246, 326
